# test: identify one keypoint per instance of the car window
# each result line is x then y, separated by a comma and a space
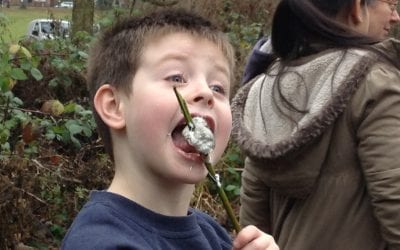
36, 27
46, 27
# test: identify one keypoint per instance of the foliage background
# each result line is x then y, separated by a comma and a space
51, 156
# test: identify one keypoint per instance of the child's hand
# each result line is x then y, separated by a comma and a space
252, 238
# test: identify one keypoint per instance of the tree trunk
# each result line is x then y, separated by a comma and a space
82, 16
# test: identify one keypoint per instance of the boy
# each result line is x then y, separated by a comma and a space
132, 70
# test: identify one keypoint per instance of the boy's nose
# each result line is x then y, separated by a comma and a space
202, 94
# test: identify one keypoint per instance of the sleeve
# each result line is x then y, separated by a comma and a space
259, 59
254, 199
378, 137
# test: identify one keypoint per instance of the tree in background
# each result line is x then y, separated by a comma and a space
82, 16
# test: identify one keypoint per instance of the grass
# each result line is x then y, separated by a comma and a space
19, 19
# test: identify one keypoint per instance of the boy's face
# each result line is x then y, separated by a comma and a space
152, 114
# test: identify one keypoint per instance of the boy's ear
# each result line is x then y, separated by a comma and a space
109, 107
357, 12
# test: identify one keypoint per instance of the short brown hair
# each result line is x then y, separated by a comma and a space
114, 58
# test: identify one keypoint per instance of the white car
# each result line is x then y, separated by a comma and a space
67, 4
48, 29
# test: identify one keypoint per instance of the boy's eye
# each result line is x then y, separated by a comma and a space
218, 89
176, 78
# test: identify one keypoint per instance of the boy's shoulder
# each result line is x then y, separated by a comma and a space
100, 225
109, 221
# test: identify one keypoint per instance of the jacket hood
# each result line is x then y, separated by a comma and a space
318, 89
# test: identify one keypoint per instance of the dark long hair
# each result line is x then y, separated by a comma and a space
299, 23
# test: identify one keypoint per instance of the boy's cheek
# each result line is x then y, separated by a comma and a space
223, 139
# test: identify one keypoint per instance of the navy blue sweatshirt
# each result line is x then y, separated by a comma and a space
111, 221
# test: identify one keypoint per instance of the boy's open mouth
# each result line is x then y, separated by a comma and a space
180, 141
195, 140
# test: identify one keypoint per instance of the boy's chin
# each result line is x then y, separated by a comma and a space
194, 174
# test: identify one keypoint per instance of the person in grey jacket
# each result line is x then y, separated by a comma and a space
380, 20
320, 129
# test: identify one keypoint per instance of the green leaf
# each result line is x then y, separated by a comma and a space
17, 101
73, 127
70, 107
5, 147
59, 64
233, 157
54, 82
4, 83
21, 116
50, 135
18, 74
26, 65
230, 187
4, 135
231, 170
36, 74
87, 131
83, 54
75, 142
66, 81
10, 124
59, 129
